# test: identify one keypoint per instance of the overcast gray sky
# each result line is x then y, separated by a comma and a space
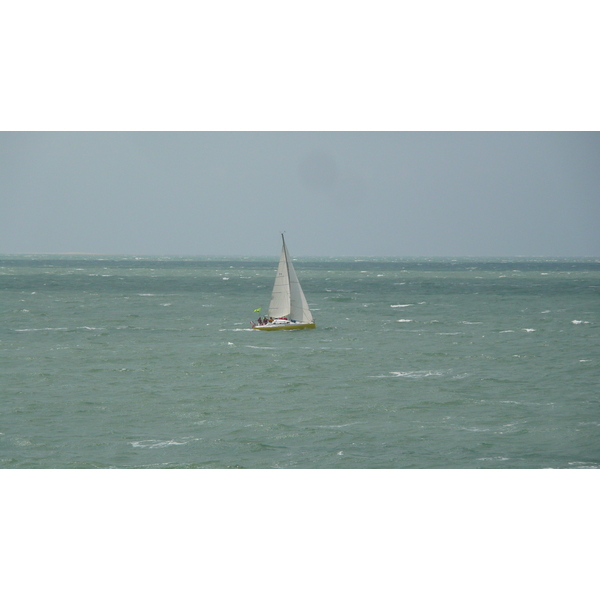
342, 194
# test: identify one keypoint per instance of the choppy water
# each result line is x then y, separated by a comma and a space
150, 362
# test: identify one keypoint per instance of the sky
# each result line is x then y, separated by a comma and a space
404, 129
333, 193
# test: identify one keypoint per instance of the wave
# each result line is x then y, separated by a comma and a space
162, 443
62, 329
262, 347
44, 329
413, 374
335, 426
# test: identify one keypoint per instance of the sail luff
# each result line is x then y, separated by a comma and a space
280, 304
299, 310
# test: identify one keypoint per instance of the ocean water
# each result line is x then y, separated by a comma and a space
139, 362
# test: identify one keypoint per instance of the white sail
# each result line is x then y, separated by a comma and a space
280, 297
287, 299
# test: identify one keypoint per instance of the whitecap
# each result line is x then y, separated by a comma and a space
400, 305
261, 347
335, 426
414, 374
405, 320
161, 443
44, 329
580, 322
528, 330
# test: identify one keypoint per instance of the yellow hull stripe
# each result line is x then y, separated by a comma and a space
283, 327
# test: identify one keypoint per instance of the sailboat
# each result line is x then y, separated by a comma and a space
288, 308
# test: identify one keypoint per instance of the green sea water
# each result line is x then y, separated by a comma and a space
150, 362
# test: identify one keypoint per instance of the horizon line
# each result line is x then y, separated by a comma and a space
247, 256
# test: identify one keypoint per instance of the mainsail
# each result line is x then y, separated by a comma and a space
287, 299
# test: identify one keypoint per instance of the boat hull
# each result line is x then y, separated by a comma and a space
282, 327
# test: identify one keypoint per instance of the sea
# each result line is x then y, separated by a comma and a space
137, 362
